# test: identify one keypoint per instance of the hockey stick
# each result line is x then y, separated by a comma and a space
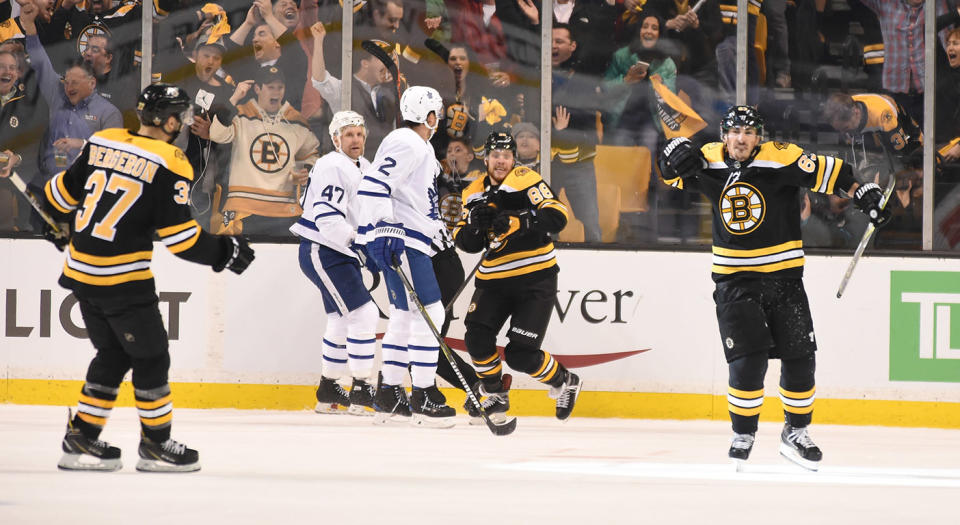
498, 430
32, 199
464, 285
371, 47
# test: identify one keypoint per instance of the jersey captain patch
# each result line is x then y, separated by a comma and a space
742, 208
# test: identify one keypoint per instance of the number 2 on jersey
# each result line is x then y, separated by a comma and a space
129, 191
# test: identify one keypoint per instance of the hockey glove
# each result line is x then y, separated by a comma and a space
482, 217
681, 159
869, 199
239, 254
387, 243
365, 260
59, 239
507, 223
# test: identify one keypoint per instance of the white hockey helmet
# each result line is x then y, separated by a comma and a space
417, 102
342, 119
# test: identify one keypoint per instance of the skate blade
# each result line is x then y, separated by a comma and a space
360, 410
787, 452
330, 408
88, 462
154, 465
420, 420
739, 465
386, 418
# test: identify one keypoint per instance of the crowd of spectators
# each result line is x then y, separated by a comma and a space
71, 67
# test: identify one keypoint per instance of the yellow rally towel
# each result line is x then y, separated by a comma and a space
492, 110
221, 26
678, 119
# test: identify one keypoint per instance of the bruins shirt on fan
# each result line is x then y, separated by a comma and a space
891, 126
121, 189
756, 209
513, 254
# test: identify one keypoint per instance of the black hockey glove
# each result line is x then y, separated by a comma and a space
482, 217
869, 199
61, 238
509, 223
239, 255
681, 159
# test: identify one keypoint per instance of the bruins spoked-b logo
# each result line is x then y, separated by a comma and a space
91, 30
269, 152
742, 208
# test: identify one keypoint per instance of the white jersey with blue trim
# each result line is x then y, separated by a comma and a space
400, 187
330, 202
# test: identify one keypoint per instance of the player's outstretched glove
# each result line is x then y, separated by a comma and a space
364, 256
681, 159
869, 199
238, 257
61, 238
387, 244
482, 216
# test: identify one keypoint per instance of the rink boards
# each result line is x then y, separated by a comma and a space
638, 326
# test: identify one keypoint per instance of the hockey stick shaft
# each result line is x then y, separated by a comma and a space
32, 199
499, 430
867, 235
371, 47
464, 285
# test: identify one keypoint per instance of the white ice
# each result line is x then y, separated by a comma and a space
300, 467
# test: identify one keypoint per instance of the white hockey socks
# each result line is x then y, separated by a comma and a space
335, 347
423, 349
362, 340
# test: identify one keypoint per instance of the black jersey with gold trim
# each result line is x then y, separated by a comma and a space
514, 254
756, 209
890, 125
121, 189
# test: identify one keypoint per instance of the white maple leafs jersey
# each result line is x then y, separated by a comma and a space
400, 187
330, 202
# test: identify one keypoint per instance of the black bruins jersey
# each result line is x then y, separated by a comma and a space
121, 189
891, 127
513, 254
756, 209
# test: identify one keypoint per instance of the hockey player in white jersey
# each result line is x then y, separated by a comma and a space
398, 218
329, 258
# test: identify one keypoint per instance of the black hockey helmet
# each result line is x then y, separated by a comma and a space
500, 140
159, 101
741, 116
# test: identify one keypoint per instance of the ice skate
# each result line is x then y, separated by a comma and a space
361, 398
331, 397
740, 448
430, 410
566, 395
495, 404
796, 445
83, 453
391, 404
169, 456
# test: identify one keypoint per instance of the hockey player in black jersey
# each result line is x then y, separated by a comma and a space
758, 262
512, 213
122, 188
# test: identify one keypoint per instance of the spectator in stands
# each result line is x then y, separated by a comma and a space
21, 129
593, 21
273, 149
878, 122
633, 108
121, 90
49, 33
460, 167
726, 52
269, 42
372, 94
902, 25
528, 145
575, 105
76, 110
688, 36
122, 20
828, 221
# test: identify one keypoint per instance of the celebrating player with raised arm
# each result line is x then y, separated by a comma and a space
329, 258
122, 188
512, 213
758, 262
398, 218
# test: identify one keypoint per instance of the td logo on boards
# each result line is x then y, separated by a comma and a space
925, 326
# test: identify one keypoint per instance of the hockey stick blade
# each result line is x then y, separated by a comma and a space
504, 429
32, 199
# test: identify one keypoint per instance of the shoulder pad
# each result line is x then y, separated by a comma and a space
713, 152
521, 178
778, 153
